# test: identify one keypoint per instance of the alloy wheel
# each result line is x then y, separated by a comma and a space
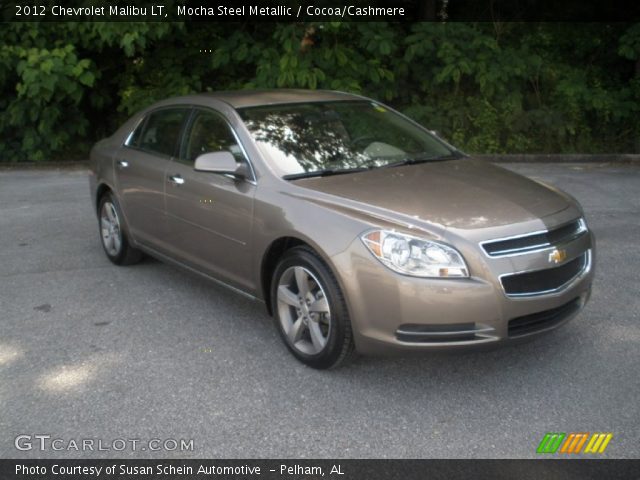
304, 312
110, 229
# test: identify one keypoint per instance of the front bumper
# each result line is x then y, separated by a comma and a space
392, 312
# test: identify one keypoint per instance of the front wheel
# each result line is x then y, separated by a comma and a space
310, 310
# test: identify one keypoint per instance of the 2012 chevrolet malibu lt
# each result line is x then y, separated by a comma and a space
359, 229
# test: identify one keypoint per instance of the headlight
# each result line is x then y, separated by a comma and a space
415, 256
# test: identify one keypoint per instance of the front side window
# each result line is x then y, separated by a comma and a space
209, 132
162, 131
319, 136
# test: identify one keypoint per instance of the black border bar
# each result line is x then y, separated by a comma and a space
297, 10
565, 469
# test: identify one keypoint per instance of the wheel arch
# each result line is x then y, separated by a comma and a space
270, 259
101, 190
274, 252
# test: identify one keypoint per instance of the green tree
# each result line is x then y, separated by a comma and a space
488, 87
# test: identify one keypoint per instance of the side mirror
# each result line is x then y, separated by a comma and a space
218, 162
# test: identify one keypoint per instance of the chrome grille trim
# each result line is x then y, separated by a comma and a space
580, 229
586, 268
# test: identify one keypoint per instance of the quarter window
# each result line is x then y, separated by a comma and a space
162, 131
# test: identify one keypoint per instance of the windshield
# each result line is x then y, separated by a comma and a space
335, 137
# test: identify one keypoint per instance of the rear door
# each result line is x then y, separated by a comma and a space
140, 172
210, 215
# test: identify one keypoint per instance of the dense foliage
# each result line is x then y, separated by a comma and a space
487, 87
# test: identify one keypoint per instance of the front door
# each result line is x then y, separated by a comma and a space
210, 215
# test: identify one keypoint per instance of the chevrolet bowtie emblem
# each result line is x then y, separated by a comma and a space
557, 256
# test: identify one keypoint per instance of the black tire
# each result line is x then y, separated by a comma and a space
339, 345
125, 254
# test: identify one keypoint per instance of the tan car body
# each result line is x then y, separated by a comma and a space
233, 231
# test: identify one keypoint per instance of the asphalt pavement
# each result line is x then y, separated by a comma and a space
91, 351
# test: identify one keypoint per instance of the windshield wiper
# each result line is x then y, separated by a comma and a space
416, 160
325, 172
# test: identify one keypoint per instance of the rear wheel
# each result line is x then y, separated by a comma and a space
310, 310
112, 234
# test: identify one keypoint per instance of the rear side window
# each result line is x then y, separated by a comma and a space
162, 131
133, 140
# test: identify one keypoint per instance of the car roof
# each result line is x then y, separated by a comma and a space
255, 98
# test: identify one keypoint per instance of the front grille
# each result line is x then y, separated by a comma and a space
536, 241
536, 322
446, 333
544, 281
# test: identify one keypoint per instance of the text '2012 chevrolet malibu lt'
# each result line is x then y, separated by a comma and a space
358, 228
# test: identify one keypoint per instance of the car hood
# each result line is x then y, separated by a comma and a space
465, 193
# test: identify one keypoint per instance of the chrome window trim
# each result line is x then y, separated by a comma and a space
586, 268
254, 179
541, 247
140, 121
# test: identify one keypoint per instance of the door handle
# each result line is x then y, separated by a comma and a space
123, 163
176, 180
